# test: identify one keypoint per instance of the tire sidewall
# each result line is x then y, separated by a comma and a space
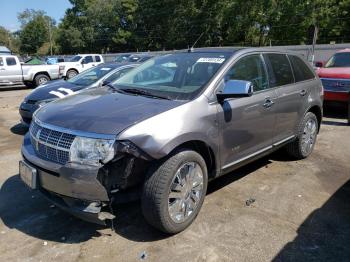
71, 73
308, 115
38, 77
181, 157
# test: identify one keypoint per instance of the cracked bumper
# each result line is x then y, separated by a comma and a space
72, 187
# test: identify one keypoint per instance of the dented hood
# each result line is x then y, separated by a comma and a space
102, 111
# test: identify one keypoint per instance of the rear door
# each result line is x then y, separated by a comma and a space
247, 124
291, 94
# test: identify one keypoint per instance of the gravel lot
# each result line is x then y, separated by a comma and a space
301, 211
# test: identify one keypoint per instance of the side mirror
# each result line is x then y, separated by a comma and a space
319, 64
105, 82
83, 62
236, 89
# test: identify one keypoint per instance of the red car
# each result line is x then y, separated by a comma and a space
335, 77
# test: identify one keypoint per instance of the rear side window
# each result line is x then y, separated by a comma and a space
301, 71
279, 69
97, 58
10, 61
88, 59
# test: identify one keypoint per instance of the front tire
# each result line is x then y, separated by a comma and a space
174, 191
304, 144
71, 73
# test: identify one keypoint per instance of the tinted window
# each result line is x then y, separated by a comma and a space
301, 71
88, 59
10, 61
250, 68
1, 62
339, 60
118, 74
97, 58
280, 72
75, 58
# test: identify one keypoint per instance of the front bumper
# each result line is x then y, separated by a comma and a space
26, 111
72, 187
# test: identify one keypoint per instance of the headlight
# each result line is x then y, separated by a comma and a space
91, 151
44, 102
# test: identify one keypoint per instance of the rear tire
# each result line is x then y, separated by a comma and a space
41, 79
304, 144
174, 191
71, 73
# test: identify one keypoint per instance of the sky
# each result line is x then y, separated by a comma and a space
10, 9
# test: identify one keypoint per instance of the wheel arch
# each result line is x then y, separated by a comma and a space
205, 151
317, 110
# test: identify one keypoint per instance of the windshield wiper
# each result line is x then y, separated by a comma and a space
115, 88
143, 93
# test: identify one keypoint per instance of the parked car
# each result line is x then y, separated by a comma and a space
139, 58
13, 72
80, 63
54, 60
121, 58
90, 78
335, 77
168, 127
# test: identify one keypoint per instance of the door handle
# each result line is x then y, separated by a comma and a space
268, 103
303, 92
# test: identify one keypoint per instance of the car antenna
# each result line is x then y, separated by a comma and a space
192, 47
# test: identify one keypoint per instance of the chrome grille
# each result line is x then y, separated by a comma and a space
50, 144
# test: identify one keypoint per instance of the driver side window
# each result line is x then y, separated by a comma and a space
88, 59
249, 68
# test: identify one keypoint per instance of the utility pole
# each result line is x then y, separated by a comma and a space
50, 36
314, 40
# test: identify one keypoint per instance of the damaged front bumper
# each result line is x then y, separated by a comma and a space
82, 190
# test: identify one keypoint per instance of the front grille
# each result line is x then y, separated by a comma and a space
336, 84
50, 144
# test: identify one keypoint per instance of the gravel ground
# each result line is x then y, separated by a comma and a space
301, 211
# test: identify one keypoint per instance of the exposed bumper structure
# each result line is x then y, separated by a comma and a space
87, 191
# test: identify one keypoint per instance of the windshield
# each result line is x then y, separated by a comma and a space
121, 58
176, 76
339, 60
90, 76
75, 58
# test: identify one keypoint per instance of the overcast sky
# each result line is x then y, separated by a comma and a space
10, 9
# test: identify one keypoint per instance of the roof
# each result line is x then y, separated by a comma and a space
4, 49
346, 50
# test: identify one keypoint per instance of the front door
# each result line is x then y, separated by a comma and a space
247, 124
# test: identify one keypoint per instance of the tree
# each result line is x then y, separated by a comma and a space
34, 30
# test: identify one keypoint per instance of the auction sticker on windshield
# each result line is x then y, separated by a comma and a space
211, 60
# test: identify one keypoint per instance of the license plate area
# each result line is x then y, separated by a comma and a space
28, 174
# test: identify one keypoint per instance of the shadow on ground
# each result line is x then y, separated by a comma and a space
29, 212
325, 234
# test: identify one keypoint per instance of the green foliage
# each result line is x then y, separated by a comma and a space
36, 27
130, 25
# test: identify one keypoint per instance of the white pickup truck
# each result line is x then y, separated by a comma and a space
13, 72
80, 63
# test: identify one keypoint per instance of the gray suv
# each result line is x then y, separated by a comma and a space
166, 128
